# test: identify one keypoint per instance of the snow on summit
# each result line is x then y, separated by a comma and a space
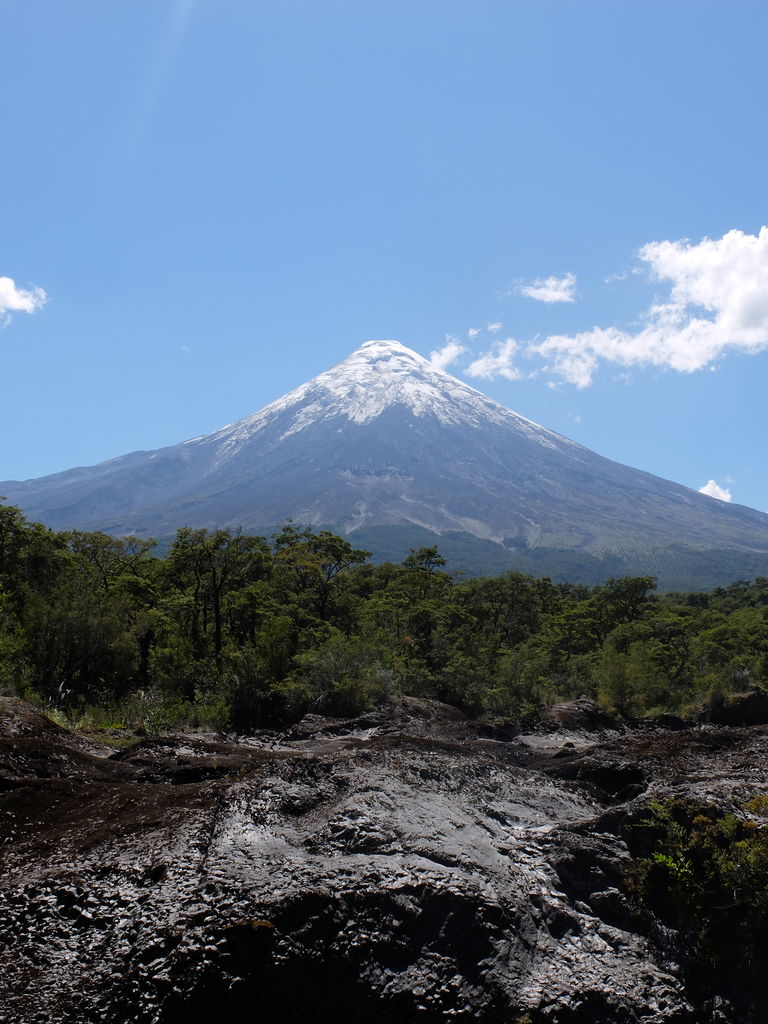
376, 376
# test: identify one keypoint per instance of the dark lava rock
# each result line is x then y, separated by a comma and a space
392, 868
581, 715
671, 722
740, 709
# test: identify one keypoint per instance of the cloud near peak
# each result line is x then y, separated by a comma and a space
19, 300
714, 490
717, 302
499, 362
440, 358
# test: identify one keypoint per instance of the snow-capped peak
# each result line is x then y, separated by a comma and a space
376, 377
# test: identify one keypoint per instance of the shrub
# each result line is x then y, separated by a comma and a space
706, 874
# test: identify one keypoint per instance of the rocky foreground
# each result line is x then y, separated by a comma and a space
409, 865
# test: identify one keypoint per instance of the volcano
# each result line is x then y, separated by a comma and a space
384, 439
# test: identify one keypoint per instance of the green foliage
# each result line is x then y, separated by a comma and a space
267, 630
343, 675
706, 874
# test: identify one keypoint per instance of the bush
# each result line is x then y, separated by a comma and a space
706, 874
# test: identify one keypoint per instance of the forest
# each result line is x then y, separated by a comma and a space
232, 631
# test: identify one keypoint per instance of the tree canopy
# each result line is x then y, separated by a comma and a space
239, 630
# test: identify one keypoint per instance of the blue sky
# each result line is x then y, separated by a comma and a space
221, 198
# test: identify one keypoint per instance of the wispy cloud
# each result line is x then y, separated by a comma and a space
499, 362
495, 328
714, 490
449, 353
18, 300
551, 289
717, 301
621, 275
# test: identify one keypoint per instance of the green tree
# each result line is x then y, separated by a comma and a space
312, 566
204, 569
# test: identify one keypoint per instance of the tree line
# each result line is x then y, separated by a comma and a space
236, 631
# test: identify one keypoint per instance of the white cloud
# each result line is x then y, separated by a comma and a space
495, 328
446, 355
473, 332
551, 289
714, 490
717, 301
18, 300
499, 362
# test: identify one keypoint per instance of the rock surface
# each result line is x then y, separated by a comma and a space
403, 866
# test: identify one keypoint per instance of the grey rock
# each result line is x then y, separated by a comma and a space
395, 868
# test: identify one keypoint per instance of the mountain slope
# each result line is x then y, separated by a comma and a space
384, 439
